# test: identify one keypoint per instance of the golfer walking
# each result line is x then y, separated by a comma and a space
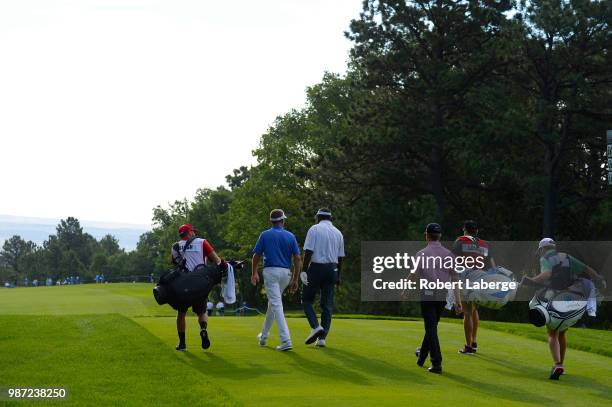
433, 301
323, 253
278, 247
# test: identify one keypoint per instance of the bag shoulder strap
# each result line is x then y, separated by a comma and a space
180, 258
187, 243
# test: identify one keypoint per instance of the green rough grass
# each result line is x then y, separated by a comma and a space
589, 340
372, 362
131, 299
130, 358
100, 360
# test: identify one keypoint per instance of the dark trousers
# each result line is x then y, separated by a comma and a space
431, 311
321, 278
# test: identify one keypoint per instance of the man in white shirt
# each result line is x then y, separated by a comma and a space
323, 253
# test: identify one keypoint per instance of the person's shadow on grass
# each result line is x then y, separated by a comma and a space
577, 382
510, 368
218, 366
333, 372
377, 367
581, 382
499, 390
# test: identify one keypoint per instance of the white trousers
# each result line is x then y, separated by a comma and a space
276, 279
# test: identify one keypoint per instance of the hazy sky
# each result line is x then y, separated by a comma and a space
108, 108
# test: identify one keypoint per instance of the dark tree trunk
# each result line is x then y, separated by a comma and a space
437, 166
437, 184
551, 194
553, 159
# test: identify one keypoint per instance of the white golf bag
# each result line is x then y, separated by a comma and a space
559, 309
489, 298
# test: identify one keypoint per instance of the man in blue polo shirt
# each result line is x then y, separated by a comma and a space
277, 246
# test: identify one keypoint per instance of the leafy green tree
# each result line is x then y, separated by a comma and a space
70, 237
70, 264
249, 215
99, 264
206, 212
565, 72
109, 245
138, 264
442, 116
238, 177
53, 250
117, 267
7, 274
33, 265
142, 261
423, 59
14, 251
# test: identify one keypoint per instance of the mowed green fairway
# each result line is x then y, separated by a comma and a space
112, 345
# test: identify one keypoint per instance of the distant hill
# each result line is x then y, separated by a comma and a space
39, 229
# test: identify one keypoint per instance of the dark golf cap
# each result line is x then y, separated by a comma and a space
433, 228
277, 215
470, 225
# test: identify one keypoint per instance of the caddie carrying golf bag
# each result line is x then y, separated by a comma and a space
559, 309
181, 289
489, 298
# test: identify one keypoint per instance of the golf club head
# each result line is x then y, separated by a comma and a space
160, 294
237, 264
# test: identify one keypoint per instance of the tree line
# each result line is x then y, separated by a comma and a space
448, 110
70, 252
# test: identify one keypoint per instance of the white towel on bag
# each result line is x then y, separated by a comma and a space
228, 290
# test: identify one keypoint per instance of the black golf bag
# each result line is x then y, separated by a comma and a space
181, 289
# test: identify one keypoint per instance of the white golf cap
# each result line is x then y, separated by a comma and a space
277, 215
324, 212
547, 241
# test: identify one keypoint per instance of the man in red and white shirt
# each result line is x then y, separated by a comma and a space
471, 246
198, 251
